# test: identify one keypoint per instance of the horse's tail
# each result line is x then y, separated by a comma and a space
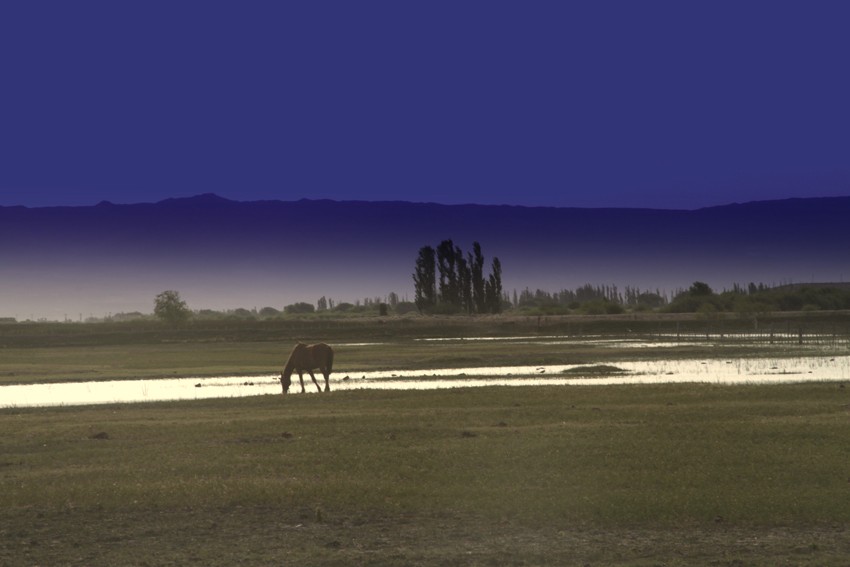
330, 359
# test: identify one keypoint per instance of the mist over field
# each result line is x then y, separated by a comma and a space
72, 262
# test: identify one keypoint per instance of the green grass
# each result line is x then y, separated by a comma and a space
111, 362
634, 475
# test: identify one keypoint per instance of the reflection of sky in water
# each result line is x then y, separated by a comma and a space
812, 342
735, 371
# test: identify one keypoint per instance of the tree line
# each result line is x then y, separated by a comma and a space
171, 308
447, 280
754, 299
589, 299
698, 298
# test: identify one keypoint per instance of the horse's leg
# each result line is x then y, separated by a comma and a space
327, 376
301, 378
313, 376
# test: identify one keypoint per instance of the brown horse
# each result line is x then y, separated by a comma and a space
306, 358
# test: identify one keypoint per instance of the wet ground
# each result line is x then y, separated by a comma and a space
734, 371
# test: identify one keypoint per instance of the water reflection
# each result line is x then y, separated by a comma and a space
738, 371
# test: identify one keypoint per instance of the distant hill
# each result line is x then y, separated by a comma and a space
220, 253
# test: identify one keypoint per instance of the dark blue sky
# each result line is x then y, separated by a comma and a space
649, 104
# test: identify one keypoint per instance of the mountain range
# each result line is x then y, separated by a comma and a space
65, 262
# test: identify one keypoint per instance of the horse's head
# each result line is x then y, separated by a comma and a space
285, 380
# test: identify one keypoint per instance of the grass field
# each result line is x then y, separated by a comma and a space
675, 475
576, 475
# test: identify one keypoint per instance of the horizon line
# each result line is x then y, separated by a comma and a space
212, 197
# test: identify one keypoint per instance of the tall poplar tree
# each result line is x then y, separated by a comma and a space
460, 285
425, 280
449, 290
464, 278
494, 288
476, 265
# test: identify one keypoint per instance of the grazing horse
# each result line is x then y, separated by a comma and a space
306, 358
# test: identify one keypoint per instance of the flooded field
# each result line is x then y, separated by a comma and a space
732, 371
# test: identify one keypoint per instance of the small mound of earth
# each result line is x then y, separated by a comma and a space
594, 370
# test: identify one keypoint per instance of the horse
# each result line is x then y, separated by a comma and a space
306, 358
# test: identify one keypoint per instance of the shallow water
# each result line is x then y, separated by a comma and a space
738, 371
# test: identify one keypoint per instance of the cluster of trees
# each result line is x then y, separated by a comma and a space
448, 281
170, 308
700, 298
590, 299
392, 303
377, 305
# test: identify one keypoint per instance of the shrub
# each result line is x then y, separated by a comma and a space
299, 308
